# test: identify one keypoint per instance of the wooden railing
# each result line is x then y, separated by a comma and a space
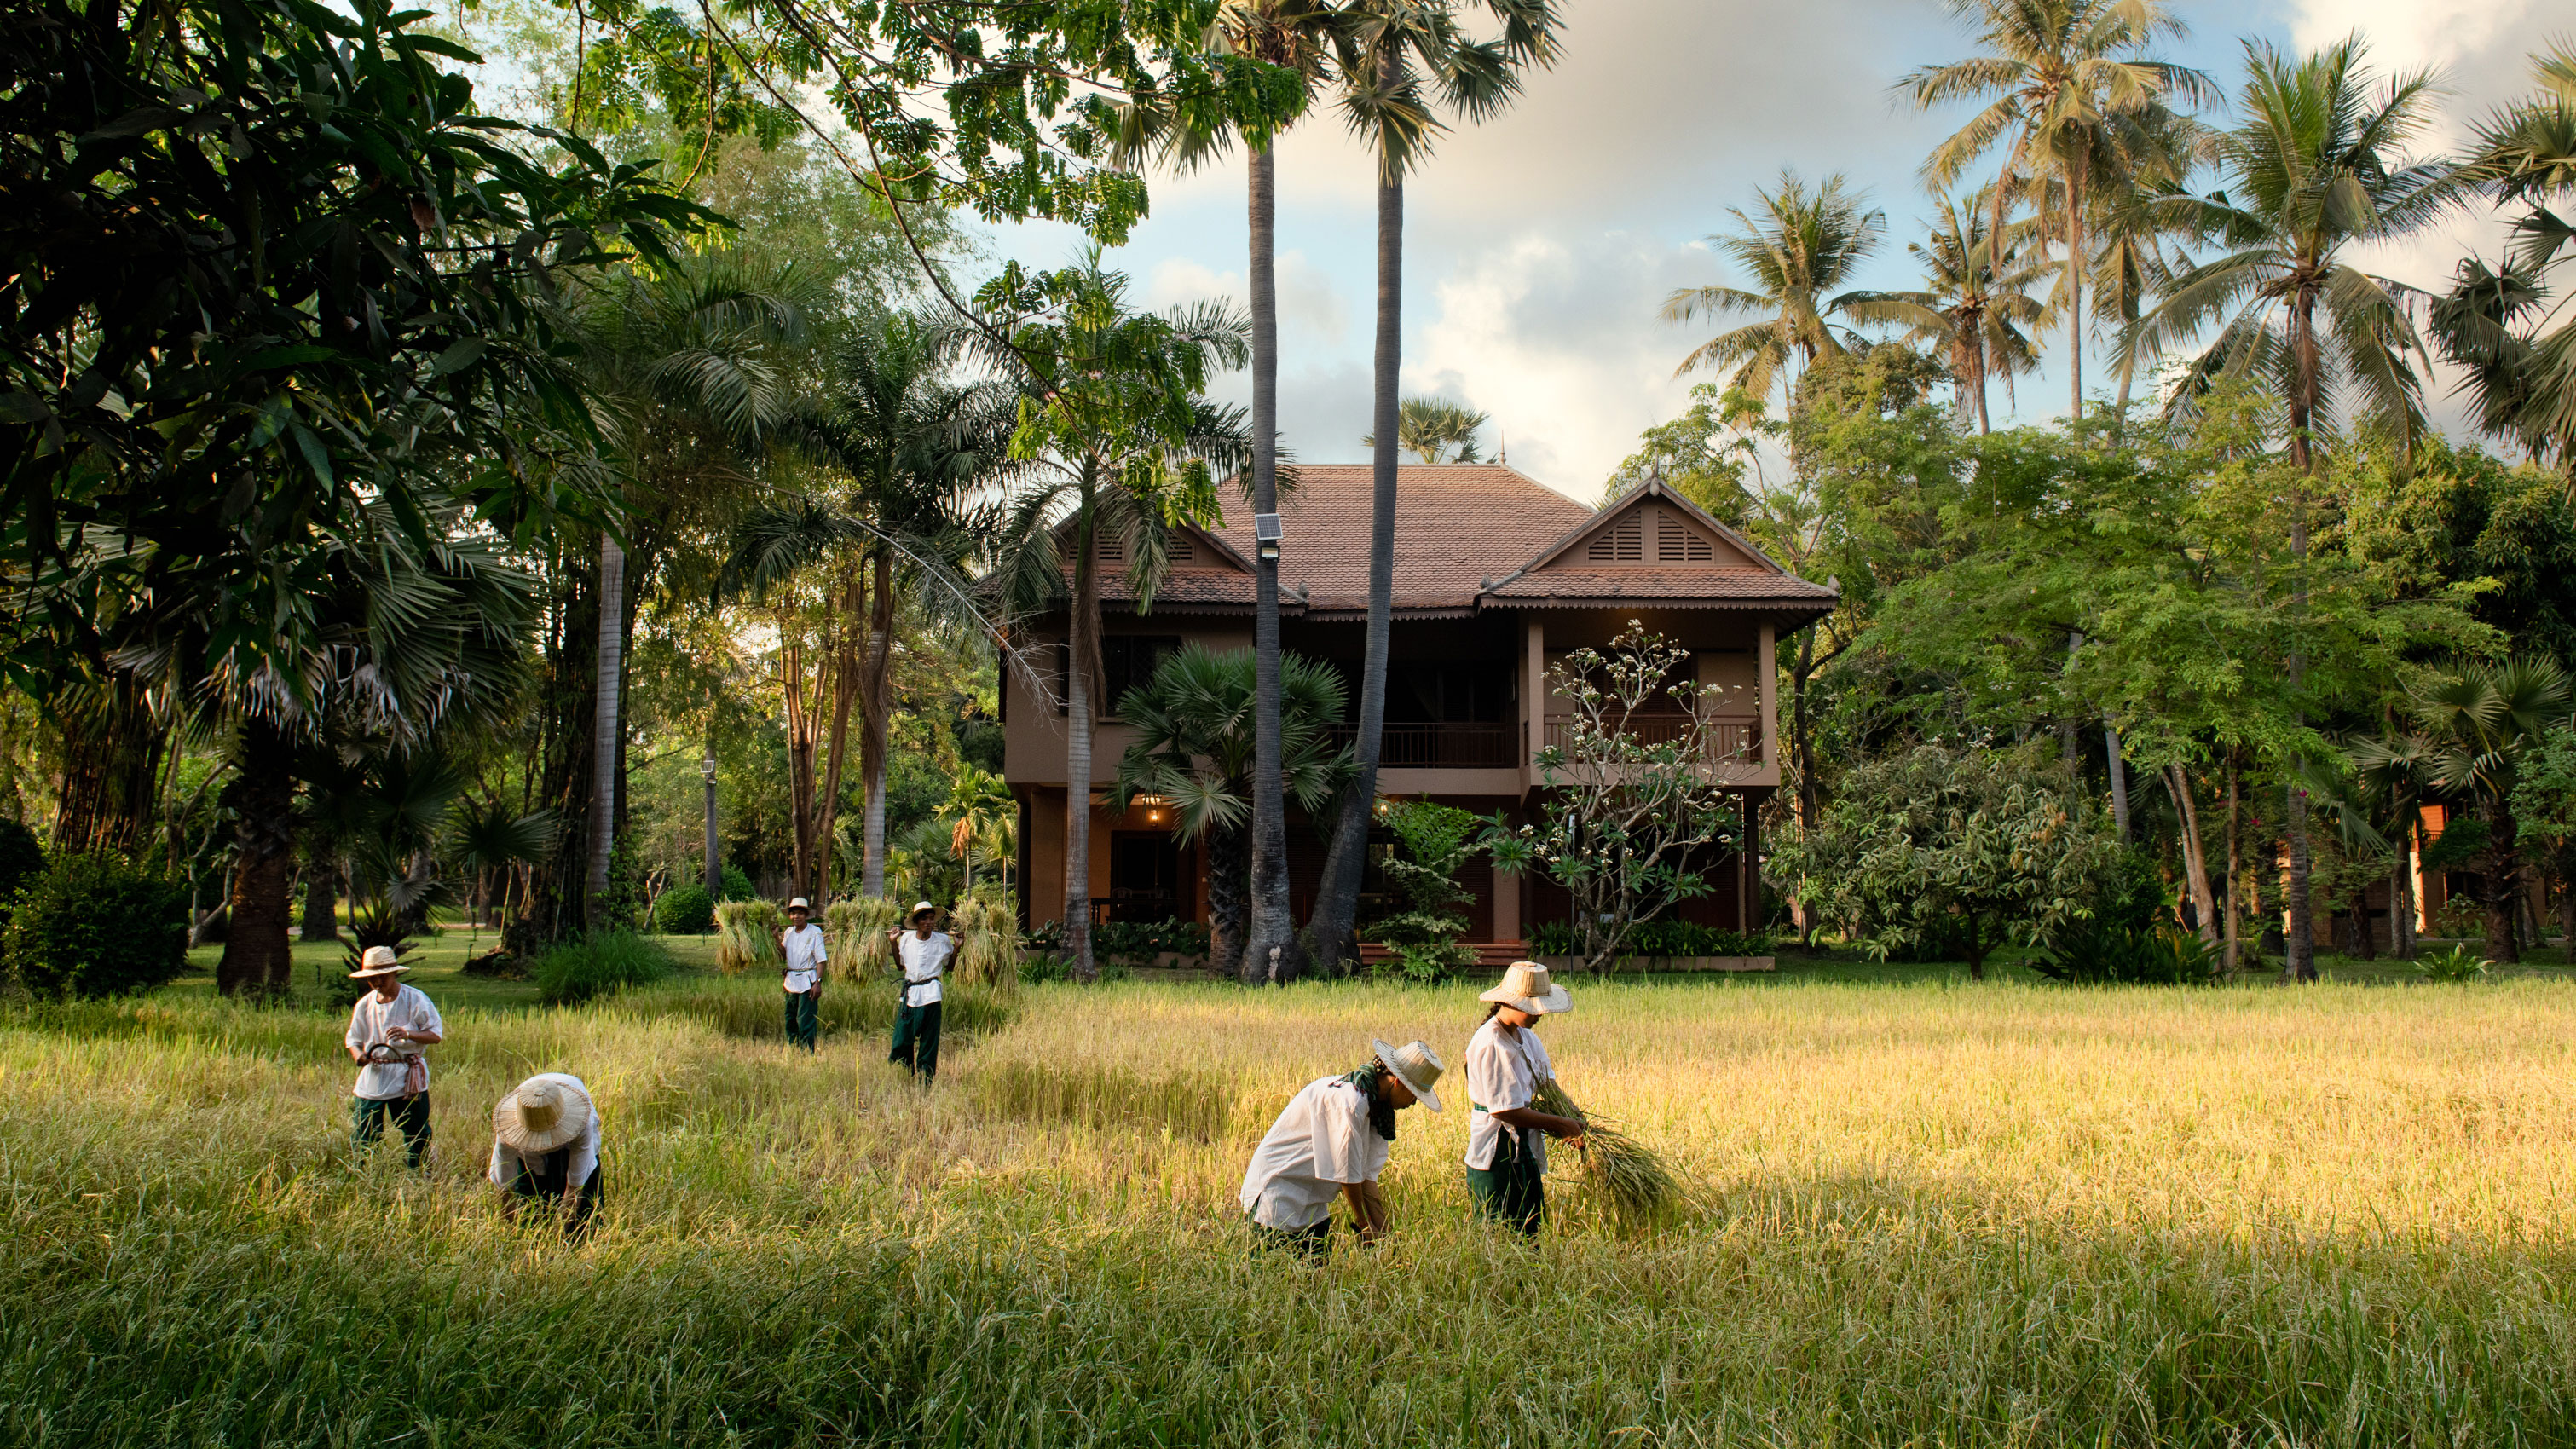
1446, 745
1734, 745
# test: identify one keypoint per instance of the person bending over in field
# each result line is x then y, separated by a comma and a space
545, 1147
1506, 1135
1333, 1139
802, 944
387, 1030
924, 953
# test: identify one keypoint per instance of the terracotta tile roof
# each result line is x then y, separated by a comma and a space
1722, 588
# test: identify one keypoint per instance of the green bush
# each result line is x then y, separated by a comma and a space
737, 886
1048, 965
1656, 938
96, 925
21, 857
688, 910
599, 964
2459, 963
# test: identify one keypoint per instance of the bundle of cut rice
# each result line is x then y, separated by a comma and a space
988, 942
746, 936
1636, 1191
857, 930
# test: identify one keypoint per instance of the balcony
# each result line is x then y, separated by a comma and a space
1445, 745
1735, 745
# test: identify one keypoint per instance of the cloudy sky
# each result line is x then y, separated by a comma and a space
1540, 246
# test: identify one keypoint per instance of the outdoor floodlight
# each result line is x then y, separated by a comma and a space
1265, 536
707, 769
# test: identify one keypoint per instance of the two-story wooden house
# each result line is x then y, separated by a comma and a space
1496, 577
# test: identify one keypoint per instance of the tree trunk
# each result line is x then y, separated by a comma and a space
2075, 288
872, 732
321, 896
2365, 940
1810, 801
2401, 897
605, 724
2500, 884
1273, 927
1331, 934
1082, 650
2195, 858
843, 666
1977, 949
258, 958
2119, 783
2299, 944
1229, 883
802, 746
2235, 872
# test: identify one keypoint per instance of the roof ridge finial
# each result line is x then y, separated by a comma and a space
1503, 447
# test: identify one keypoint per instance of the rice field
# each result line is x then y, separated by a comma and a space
1918, 1214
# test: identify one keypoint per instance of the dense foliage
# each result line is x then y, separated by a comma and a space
95, 925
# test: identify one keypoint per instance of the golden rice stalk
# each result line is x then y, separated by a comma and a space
746, 936
857, 930
1636, 1191
987, 929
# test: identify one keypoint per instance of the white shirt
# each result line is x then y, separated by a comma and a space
508, 1162
922, 963
806, 954
1320, 1143
1503, 1072
371, 1019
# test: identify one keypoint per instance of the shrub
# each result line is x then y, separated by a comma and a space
737, 886
688, 910
1656, 938
2459, 963
21, 857
2159, 956
96, 925
599, 964
1435, 841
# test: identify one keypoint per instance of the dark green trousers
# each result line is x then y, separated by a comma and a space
410, 1117
1513, 1191
542, 1181
916, 1040
1314, 1244
803, 1009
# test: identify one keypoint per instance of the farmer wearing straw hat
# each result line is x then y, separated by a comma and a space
802, 944
1333, 1139
545, 1146
1506, 1136
925, 954
387, 1030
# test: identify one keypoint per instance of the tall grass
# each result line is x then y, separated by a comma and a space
1925, 1216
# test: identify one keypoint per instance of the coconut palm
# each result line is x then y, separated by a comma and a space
1400, 62
2314, 174
1191, 742
1429, 428
1801, 247
2068, 90
1117, 441
1976, 304
2509, 327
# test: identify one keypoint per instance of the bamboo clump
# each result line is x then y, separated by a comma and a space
987, 930
746, 935
1636, 1191
858, 930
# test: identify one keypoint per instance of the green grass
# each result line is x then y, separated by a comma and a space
1920, 1213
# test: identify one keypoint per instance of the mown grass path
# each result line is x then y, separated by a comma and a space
1925, 1213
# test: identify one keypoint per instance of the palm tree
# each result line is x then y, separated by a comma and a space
985, 817
1428, 427
2314, 174
2066, 91
2471, 734
1117, 440
1802, 248
914, 448
687, 366
1976, 304
1400, 60
1191, 745
2497, 322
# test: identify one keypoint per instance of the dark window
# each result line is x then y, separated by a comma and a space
1126, 661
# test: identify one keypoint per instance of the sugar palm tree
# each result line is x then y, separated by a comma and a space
1429, 428
2314, 173
1400, 62
1976, 303
2066, 84
1191, 744
1801, 248
2510, 328
1117, 441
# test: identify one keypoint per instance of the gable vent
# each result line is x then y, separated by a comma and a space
1109, 549
1678, 542
1181, 554
1622, 542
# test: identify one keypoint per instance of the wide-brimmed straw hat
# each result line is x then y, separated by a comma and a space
1415, 1065
1525, 986
798, 904
379, 961
918, 907
540, 1116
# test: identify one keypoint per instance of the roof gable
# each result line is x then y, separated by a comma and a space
1190, 549
1654, 527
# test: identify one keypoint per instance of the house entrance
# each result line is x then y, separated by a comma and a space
1144, 876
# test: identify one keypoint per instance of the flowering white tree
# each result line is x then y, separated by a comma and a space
1636, 797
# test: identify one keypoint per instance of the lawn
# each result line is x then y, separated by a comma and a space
1926, 1212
